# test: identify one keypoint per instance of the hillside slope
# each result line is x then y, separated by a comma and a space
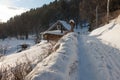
109, 33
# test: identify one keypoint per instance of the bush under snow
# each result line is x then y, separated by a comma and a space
60, 64
43, 61
17, 66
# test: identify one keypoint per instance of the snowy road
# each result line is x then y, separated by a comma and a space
97, 61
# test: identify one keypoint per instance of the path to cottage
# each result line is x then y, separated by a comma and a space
97, 61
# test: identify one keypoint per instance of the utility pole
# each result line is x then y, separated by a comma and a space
108, 3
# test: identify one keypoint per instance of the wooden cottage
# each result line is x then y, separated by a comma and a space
56, 31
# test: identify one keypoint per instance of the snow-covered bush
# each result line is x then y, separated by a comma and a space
15, 73
17, 66
60, 65
42, 61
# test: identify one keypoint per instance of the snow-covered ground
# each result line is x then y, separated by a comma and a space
97, 61
99, 53
11, 45
74, 57
109, 33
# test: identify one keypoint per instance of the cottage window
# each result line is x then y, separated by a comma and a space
58, 27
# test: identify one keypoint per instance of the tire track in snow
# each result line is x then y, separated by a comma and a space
103, 58
86, 67
112, 62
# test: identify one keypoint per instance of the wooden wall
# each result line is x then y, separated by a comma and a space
51, 37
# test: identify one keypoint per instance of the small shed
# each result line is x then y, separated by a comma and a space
56, 31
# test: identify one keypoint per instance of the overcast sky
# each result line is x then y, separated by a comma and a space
10, 8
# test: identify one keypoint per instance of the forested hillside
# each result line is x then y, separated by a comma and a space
37, 20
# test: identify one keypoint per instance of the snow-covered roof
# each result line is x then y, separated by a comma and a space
66, 26
56, 32
63, 23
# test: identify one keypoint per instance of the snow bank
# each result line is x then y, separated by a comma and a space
60, 64
109, 33
33, 55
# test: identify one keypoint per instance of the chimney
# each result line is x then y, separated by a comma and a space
72, 24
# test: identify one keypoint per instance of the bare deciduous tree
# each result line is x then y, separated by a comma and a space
108, 3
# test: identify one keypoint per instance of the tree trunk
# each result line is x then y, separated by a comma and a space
96, 16
108, 3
